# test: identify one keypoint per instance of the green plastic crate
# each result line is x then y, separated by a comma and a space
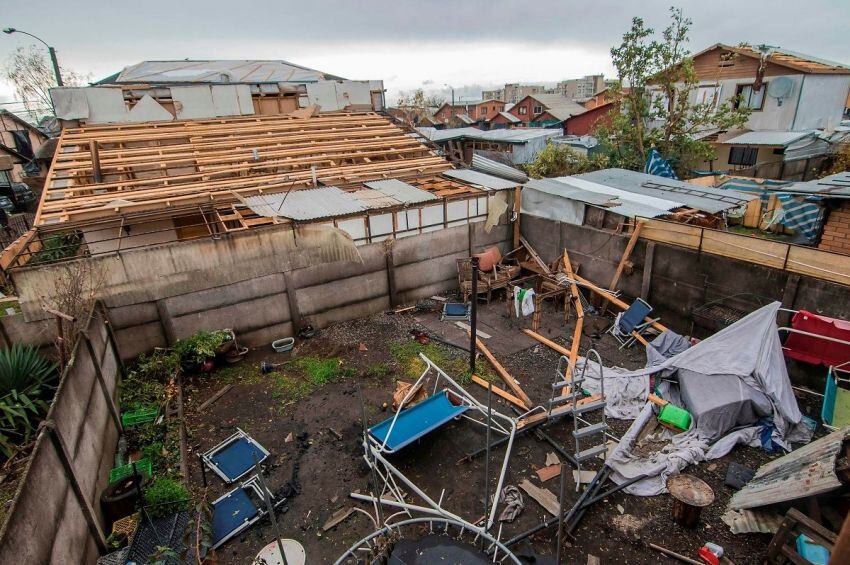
143, 466
143, 416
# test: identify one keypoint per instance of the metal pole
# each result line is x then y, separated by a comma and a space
487, 460
561, 514
269, 506
55, 62
473, 319
371, 460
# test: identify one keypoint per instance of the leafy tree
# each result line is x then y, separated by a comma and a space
419, 100
31, 71
654, 95
561, 160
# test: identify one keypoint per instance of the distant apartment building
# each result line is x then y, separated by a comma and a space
580, 88
514, 92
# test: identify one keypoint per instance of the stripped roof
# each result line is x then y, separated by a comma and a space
786, 58
158, 167
782, 138
216, 71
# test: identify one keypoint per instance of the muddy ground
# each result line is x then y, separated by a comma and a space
319, 470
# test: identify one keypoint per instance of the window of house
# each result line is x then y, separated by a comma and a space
749, 98
483, 111
743, 156
708, 94
5, 181
523, 110
538, 109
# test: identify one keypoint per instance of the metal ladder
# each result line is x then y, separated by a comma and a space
562, 404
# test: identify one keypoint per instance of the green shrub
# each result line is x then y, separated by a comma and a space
58, 247
26, 388
200, 346
322, 371
165, 497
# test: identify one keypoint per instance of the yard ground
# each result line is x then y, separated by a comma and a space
315, 398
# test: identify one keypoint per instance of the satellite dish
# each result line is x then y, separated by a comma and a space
780, 87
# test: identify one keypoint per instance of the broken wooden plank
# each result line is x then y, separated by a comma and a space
625, 257
534, 256
500, 392
547, 342
222, 391
467, 328
338, 517
544, 497
548, 472
503, 373
616, 301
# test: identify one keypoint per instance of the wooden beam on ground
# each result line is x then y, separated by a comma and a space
503, 373
547, 342
623, 259
221, 392
579, 317
500, 392
544, 497
616, 301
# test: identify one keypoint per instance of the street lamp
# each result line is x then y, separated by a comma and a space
11, 30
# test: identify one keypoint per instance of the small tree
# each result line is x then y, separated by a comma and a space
561, 160
416, 104
30, 70
654, 97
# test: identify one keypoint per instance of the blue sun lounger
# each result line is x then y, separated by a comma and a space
233, 458
416, 422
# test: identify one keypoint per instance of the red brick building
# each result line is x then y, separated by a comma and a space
477, 110
836, 230
585, 124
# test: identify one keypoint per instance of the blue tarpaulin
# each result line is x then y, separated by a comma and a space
803, 214
658, 166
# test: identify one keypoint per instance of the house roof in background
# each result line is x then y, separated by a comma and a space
560, 107
216, 71
508, 116
775, 138
835, 186
514, 135
786, 58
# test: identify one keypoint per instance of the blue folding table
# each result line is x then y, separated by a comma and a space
415, 422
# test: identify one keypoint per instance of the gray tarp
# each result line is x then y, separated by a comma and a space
729, 379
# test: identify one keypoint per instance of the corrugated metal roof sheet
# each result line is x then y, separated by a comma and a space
779, 138
834, 186
491, 167
705, 198
488, 182
236, 71
627, 203
807, 471
557, 188
310, 204
401, 191
373, 199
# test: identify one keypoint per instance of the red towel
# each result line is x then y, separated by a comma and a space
818, 351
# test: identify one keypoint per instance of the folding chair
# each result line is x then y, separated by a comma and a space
238, 509
233, 458
631, 322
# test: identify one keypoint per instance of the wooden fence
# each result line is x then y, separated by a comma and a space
55, 516
797, 259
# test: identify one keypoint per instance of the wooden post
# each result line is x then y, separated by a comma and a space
292, 298
623, 259
646, 283
67, 465
95, 162
391, 289
503, 373
616, 301
60, 333
98, 373
518, 212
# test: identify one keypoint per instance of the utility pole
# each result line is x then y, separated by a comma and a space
50, 50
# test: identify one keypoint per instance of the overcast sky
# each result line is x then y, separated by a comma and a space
407, 43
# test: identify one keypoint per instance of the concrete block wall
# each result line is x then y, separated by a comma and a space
251, 281
836, 230
682, 280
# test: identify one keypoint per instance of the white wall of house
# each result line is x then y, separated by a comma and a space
822, 104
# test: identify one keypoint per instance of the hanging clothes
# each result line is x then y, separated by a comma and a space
523, 301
